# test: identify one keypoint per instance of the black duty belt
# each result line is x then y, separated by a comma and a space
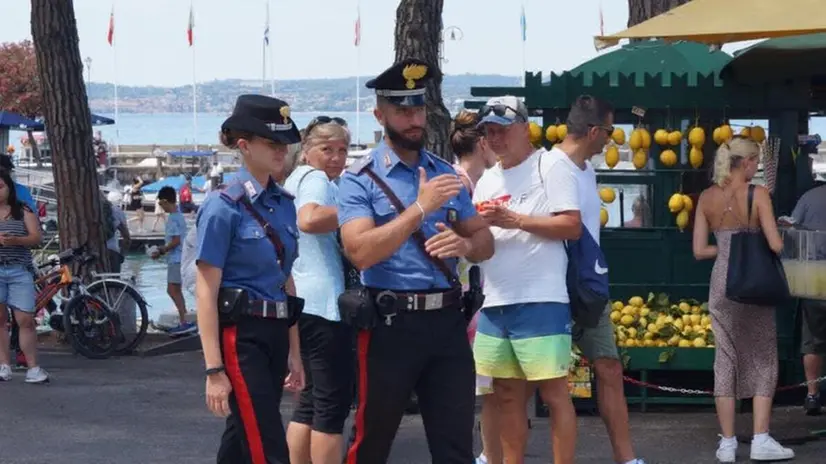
267, 309
411, 301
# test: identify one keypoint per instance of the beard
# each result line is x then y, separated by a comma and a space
402, 141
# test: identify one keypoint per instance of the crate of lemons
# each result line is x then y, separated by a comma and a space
659, 322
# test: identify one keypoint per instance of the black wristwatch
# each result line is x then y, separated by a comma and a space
214, 370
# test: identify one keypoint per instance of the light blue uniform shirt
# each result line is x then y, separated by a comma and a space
175, 227
318, 273
231, 239
408, 269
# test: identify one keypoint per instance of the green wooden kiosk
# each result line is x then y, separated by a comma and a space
678, 86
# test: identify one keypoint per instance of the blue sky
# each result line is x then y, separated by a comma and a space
314, 38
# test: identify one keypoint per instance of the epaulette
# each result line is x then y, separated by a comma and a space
357, 167
233, 192
439, 159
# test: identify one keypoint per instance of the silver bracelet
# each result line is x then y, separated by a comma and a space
420, 209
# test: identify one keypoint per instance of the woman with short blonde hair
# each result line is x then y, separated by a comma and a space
745, 357
315, 431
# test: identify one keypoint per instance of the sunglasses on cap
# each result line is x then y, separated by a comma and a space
319, 120
501, 111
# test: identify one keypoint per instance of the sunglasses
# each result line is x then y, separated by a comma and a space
319, 120
608, 129
501, 111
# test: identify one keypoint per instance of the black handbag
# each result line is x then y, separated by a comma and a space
755, 274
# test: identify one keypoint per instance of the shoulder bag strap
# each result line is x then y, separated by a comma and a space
749, 204
418, 236
268, 230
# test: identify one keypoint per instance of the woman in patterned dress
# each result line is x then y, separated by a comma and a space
745, 358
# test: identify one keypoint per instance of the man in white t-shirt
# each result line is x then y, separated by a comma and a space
590, 125
524, 329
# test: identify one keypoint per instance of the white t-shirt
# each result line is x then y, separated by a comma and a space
589, 202
527, 268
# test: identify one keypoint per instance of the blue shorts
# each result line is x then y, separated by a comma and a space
17, 287
530, 341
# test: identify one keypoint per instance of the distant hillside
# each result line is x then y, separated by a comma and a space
303, 94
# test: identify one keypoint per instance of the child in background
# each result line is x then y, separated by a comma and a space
174, 236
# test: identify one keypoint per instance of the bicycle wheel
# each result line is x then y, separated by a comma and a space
129, 306
91, 327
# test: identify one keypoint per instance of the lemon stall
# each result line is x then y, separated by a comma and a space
673, 106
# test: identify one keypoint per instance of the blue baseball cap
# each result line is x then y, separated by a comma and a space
503, 111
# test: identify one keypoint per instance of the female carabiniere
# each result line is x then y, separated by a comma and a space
246, 246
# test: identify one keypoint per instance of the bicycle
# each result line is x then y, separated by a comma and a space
113, 284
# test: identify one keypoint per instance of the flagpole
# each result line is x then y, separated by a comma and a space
358, 73
524, 23
194, 81
115, 80
272, 54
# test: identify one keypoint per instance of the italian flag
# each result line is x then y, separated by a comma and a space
191, 26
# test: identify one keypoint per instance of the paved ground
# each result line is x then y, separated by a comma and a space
150, 410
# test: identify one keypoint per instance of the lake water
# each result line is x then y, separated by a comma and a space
150, 277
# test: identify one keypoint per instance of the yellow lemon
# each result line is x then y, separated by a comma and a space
607, 195
640, 158
551, 134
674, 341
684, 344
628, 310
696, 310
561, 131
646, 139
661, 137
630, 343
648, 336
697, 137
635, 141
668, 158
621, 343
716, 136
674, 138
644, 312
615, 316
675, 203
661, 343
685, 307
695, 157
669, 320
699, 343
612, 155
617, 305
636, 301
627, 320
745, 132
648, 343
535, 133
603, 217
652, 328
705, 320
682, 220
686, 319
618, 136
679, 324
758, 134
632, 332
725, 133
695, 319
688, 203
643, 321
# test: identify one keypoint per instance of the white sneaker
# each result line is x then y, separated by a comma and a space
5, 372
727, 450
770, 450
37, 375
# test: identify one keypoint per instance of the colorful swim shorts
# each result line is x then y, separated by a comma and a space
529, 341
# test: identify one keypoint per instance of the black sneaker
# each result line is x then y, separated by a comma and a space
812, 405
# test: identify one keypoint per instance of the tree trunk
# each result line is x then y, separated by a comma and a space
35, 149
642, 10
419, 35
79, 211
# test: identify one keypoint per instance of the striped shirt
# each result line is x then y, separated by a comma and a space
12, 255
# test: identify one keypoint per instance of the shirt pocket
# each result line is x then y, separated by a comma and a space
251, 231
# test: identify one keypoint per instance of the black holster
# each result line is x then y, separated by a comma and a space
474, 298
357, 309
231, 302
295, 307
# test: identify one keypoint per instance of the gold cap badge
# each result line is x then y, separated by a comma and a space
412, 73
285, 112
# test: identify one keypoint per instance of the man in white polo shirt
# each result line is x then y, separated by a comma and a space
590, 125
